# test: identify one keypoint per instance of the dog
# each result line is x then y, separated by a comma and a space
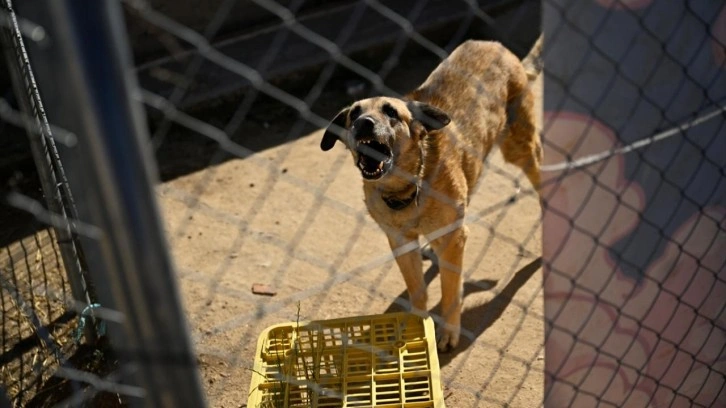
421, 157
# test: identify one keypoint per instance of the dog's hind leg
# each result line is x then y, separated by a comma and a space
521, 146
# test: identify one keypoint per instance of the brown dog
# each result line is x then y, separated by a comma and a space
421, 157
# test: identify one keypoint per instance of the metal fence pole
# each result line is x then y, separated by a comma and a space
51, 173
86, 81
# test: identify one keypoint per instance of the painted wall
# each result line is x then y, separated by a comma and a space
634, 222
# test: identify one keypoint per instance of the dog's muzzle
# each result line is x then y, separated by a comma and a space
374, 157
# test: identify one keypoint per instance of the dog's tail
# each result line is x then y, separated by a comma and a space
533, 63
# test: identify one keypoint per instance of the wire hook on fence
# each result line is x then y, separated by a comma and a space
88, 311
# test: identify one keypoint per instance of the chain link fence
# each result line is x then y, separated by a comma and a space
44, 286
263, 227
34, 292
634, 210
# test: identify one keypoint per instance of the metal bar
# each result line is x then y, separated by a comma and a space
51, 174
86, 76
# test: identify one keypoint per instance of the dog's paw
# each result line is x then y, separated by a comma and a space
448, 339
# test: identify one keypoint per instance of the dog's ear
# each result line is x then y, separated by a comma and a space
333, 132
431, 117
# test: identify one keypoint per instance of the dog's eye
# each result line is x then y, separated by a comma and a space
354, 113
390, 111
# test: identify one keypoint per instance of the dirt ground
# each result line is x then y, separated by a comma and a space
292, 217
32, 279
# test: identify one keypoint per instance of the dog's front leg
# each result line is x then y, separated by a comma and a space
449, 250
408, 258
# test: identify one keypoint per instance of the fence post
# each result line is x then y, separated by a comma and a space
51, 173
87, 83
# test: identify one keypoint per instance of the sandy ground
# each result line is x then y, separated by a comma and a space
293, 217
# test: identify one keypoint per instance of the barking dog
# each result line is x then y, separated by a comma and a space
421, 158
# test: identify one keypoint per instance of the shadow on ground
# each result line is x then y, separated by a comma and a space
476, 320
57, 390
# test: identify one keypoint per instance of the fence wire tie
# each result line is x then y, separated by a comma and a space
88, 311
638, 144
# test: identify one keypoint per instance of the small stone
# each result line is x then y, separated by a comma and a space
262, 289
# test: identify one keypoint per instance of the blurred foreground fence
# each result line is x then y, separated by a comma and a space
43, 274
635, 283
629, 222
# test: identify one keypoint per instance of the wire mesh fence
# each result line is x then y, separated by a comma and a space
43, 270
34, 292
634, 287
264, 228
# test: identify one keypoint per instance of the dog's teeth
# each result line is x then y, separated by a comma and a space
380, 166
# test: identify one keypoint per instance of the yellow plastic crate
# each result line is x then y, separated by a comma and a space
382, 361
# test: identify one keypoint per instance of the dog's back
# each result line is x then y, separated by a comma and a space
485, 90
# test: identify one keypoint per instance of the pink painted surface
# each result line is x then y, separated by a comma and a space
653, 342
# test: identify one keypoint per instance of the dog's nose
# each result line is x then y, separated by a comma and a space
363, 126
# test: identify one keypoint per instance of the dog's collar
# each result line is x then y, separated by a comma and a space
397, 204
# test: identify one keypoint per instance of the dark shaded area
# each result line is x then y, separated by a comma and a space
17, 170
17, 173
26, 344
257, 29
239, 16
100, 361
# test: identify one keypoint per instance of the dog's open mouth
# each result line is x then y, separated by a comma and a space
374, 159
